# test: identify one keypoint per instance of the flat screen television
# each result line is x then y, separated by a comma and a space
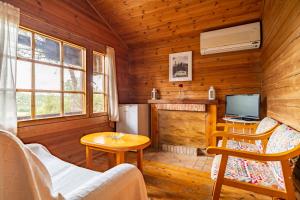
243, 106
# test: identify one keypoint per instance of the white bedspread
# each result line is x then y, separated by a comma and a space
31, 172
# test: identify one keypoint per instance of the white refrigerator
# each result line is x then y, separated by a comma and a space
134, 119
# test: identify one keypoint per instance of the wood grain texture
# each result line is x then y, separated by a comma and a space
154, 29
182, 128
75, 22
280, 60
63, 139
230, 73
68, 20
144, 21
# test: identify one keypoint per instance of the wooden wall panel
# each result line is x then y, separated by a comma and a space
280, 60
154, 29
63, 138
229, 73
182, 128
76, 22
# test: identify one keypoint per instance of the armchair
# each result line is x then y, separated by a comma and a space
266, 172
250, 142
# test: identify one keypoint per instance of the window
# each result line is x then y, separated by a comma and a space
50, 77
99, 80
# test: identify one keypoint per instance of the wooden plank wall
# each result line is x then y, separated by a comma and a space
174, 131
229, 73
68, 21
280, 60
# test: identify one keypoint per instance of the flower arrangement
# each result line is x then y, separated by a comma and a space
181, 92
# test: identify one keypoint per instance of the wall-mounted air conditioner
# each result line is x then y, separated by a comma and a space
230, 39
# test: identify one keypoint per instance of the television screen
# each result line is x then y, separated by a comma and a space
243, 105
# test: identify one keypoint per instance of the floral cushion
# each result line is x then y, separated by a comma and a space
267, 174
244, 146
283, 139
265, 125
247, 171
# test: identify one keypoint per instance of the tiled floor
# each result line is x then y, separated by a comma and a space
172, 176
201, 163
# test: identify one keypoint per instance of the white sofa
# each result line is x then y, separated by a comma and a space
32, 172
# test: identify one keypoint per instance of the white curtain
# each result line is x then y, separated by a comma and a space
9, 25
112, 91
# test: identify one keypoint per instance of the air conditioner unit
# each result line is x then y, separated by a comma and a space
230, 39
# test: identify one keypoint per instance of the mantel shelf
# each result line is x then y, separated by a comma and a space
183, 101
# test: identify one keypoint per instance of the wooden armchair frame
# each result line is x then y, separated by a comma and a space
284, 157
264, 137
250, 138
226, 126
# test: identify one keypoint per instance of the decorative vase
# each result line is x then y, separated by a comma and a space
154, 94
211, 93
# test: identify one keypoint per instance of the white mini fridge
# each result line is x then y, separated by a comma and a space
134, 119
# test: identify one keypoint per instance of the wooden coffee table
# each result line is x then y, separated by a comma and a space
117, 143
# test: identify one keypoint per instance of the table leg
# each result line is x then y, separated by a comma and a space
89, 157
140, 159
120, 157
111, 159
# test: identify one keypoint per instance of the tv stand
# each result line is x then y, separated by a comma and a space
243, 120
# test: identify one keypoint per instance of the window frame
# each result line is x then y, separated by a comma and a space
33, 117
92, 113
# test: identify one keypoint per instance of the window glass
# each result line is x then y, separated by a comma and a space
47, 50
98, 63
47, 104
47, 77
72, 56
73, 104
46, 86
23, 105
23, 77
24, 47
98, 83
73, 80
98, 103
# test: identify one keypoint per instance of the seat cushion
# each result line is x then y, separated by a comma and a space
237, 145
283, 139
247, 171
65, 176
265, 125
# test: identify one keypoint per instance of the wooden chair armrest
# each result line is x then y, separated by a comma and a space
255, 156
249, 126
228, 135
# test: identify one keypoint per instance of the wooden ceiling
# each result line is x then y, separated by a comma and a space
146, 21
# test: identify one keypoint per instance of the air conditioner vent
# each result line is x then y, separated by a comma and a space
230, 39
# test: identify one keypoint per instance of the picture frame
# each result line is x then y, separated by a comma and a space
180, 66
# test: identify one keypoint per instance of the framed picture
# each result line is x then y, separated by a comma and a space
180, 66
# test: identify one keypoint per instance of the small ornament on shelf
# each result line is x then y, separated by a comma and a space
181, 92
211, 93
154, 94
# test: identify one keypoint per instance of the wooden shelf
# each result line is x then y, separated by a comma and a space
184, 101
